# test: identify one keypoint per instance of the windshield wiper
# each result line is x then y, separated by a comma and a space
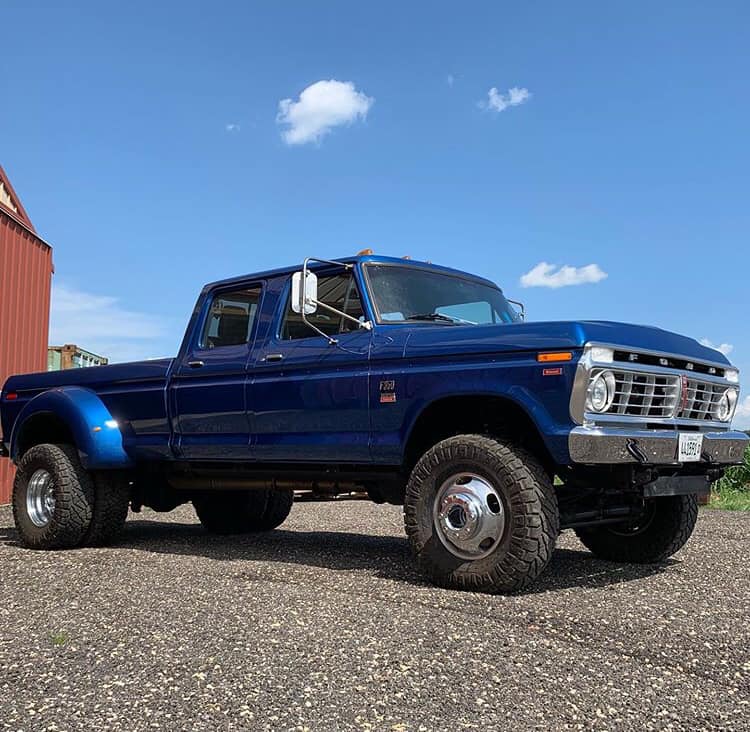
434, 317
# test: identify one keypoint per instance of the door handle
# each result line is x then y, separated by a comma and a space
274, 357
195, 364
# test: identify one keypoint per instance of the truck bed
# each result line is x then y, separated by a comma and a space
96, 376
134, 393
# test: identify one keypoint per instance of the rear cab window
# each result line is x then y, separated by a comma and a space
231, 318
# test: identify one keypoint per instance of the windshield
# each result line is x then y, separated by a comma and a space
410, 294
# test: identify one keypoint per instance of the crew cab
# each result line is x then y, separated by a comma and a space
395, 380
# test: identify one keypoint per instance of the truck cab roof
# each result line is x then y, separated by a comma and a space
359, 259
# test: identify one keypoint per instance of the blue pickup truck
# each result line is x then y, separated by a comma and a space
394, 380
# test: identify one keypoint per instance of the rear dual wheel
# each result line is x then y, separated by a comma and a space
58, 504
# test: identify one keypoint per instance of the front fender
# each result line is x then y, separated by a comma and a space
543, 397
96, 433
553, 435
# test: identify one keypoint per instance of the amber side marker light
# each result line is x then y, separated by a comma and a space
552, 357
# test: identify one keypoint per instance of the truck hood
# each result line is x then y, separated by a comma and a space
552, 335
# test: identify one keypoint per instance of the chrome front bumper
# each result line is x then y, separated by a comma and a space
610, 445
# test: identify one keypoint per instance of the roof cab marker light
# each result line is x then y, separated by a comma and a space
552, 357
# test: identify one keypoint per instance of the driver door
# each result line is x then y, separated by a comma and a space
309, 398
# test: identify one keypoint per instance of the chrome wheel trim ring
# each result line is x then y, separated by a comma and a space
40, 498
469, 516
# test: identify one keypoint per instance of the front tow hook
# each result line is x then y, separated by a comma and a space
635, 450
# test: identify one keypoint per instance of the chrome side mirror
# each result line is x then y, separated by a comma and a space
305, 298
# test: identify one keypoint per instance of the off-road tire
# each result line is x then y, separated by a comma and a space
111, 503
529, 500
668, 529
243, 512
73, 492
278, 506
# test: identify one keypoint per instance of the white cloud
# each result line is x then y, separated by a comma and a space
450, 80
232, 127
742, 415
321, 107
98, 323
725, 348
549, 275
498, 102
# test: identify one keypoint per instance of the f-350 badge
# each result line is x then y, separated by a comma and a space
387, 391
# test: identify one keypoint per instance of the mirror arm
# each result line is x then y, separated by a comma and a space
345, 265
331, 340
367, 325
520, 306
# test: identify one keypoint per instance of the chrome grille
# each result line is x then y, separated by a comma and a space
645, 395
663, 396
699, 399
654, 389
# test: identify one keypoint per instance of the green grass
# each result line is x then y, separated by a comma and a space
730, 500
732, 492
58, 638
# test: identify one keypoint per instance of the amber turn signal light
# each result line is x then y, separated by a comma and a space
551, 357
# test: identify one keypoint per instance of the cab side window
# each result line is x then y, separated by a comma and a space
231, 318
340, 292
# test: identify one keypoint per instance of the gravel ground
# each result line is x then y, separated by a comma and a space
324, 625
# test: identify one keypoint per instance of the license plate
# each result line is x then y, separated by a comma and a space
690, 448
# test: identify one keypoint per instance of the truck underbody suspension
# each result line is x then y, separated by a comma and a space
594, 496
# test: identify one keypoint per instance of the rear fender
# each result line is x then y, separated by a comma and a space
96, 433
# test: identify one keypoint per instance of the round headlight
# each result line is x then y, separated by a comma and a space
601, 392
724, 408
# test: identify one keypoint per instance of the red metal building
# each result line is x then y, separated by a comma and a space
25, 282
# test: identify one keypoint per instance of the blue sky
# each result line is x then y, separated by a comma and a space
149, 146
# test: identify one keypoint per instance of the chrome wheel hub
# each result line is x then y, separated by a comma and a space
40, 498
469, 516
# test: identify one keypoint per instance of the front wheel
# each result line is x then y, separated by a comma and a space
481, 514
666, 525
